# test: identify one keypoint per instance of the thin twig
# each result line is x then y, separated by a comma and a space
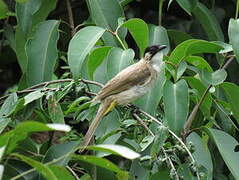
143, 124
44, 84
73, 173
71, 18
171, 163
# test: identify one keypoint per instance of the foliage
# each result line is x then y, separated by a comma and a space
55, 55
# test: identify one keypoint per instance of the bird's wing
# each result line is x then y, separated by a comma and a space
136, 74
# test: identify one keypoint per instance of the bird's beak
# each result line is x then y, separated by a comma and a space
161, 47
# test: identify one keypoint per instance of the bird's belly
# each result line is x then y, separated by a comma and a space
131, 94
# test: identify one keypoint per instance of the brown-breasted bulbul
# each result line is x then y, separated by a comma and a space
128, 85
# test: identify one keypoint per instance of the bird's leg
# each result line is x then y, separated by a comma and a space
112, 105
135, 109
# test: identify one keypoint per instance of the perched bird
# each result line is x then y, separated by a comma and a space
128, 85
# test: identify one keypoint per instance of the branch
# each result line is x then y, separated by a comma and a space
71, 19
45, 84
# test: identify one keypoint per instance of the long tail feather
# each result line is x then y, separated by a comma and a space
93, 126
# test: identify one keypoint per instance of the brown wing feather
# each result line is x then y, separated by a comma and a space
135, 74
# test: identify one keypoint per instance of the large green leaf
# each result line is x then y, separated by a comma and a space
41, 168
232, 91
207, 103
95, 59
42, 52
176, 104
193, 46
116, 149
9, 105
226, 145
199, 62
213, 78
158, 36
140, 32
178, 37
233, 31
28, 15
101, 162
46, 7
59, 150
25, 12
105, 13
201, 154
18, 134
118, 60
187, 5
79, 47
209, 22
61, 172
3, 9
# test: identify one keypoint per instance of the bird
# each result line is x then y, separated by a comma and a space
128, 85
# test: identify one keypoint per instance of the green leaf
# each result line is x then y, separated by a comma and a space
96, 57
187, 5
176, 104
79, 47
42, 52
55, 111
72, 107
3, 10
226, 145
201, 154
101, 162
193, 46
139, 31
118, 60
22, 130
33, 96
9, 105
233, 31
181, 69
146, 142
58, 150
149, 102
3, 123
20, 39
41, 168
213, 78
209, 22
226, 47
105, 13
207, 103
178, 37
116, 149
46, 7
158, 36
61, 172
199, 62
231, 90
160, 137
25, 12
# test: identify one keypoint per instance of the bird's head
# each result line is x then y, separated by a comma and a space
152, 51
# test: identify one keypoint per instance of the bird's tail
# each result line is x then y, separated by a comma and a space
104, 108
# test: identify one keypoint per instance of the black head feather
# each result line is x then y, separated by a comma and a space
154, 49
